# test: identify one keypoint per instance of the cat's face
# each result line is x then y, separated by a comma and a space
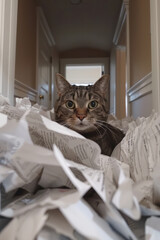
81, 107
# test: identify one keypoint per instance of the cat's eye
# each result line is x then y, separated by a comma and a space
93, 104
70, 104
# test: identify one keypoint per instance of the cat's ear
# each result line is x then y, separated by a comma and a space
62, 84
102, 85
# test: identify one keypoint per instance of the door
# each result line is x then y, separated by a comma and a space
44, 61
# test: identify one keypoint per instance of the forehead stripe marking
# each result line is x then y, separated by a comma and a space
89, 95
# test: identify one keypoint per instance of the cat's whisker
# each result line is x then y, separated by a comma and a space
101, 121
112, 132
101, 125
104, 130
97, 130
106, 127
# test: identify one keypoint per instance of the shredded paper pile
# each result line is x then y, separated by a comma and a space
56, 184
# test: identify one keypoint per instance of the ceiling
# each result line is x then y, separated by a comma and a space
90, 24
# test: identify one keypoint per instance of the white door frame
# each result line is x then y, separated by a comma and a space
155, 52
8, 29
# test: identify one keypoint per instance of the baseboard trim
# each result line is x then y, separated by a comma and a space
22, 90
141, 88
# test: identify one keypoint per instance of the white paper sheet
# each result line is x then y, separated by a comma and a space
152, 228
25, 226
87, 222
49, 198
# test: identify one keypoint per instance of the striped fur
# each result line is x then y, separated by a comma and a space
84, 109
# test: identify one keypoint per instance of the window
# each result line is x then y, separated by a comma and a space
83, 74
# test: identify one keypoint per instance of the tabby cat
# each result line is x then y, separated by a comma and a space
84, 109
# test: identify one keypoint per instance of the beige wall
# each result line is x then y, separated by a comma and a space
142, 107
140, 40
25, 70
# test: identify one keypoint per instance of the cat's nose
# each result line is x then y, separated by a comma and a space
81, 116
